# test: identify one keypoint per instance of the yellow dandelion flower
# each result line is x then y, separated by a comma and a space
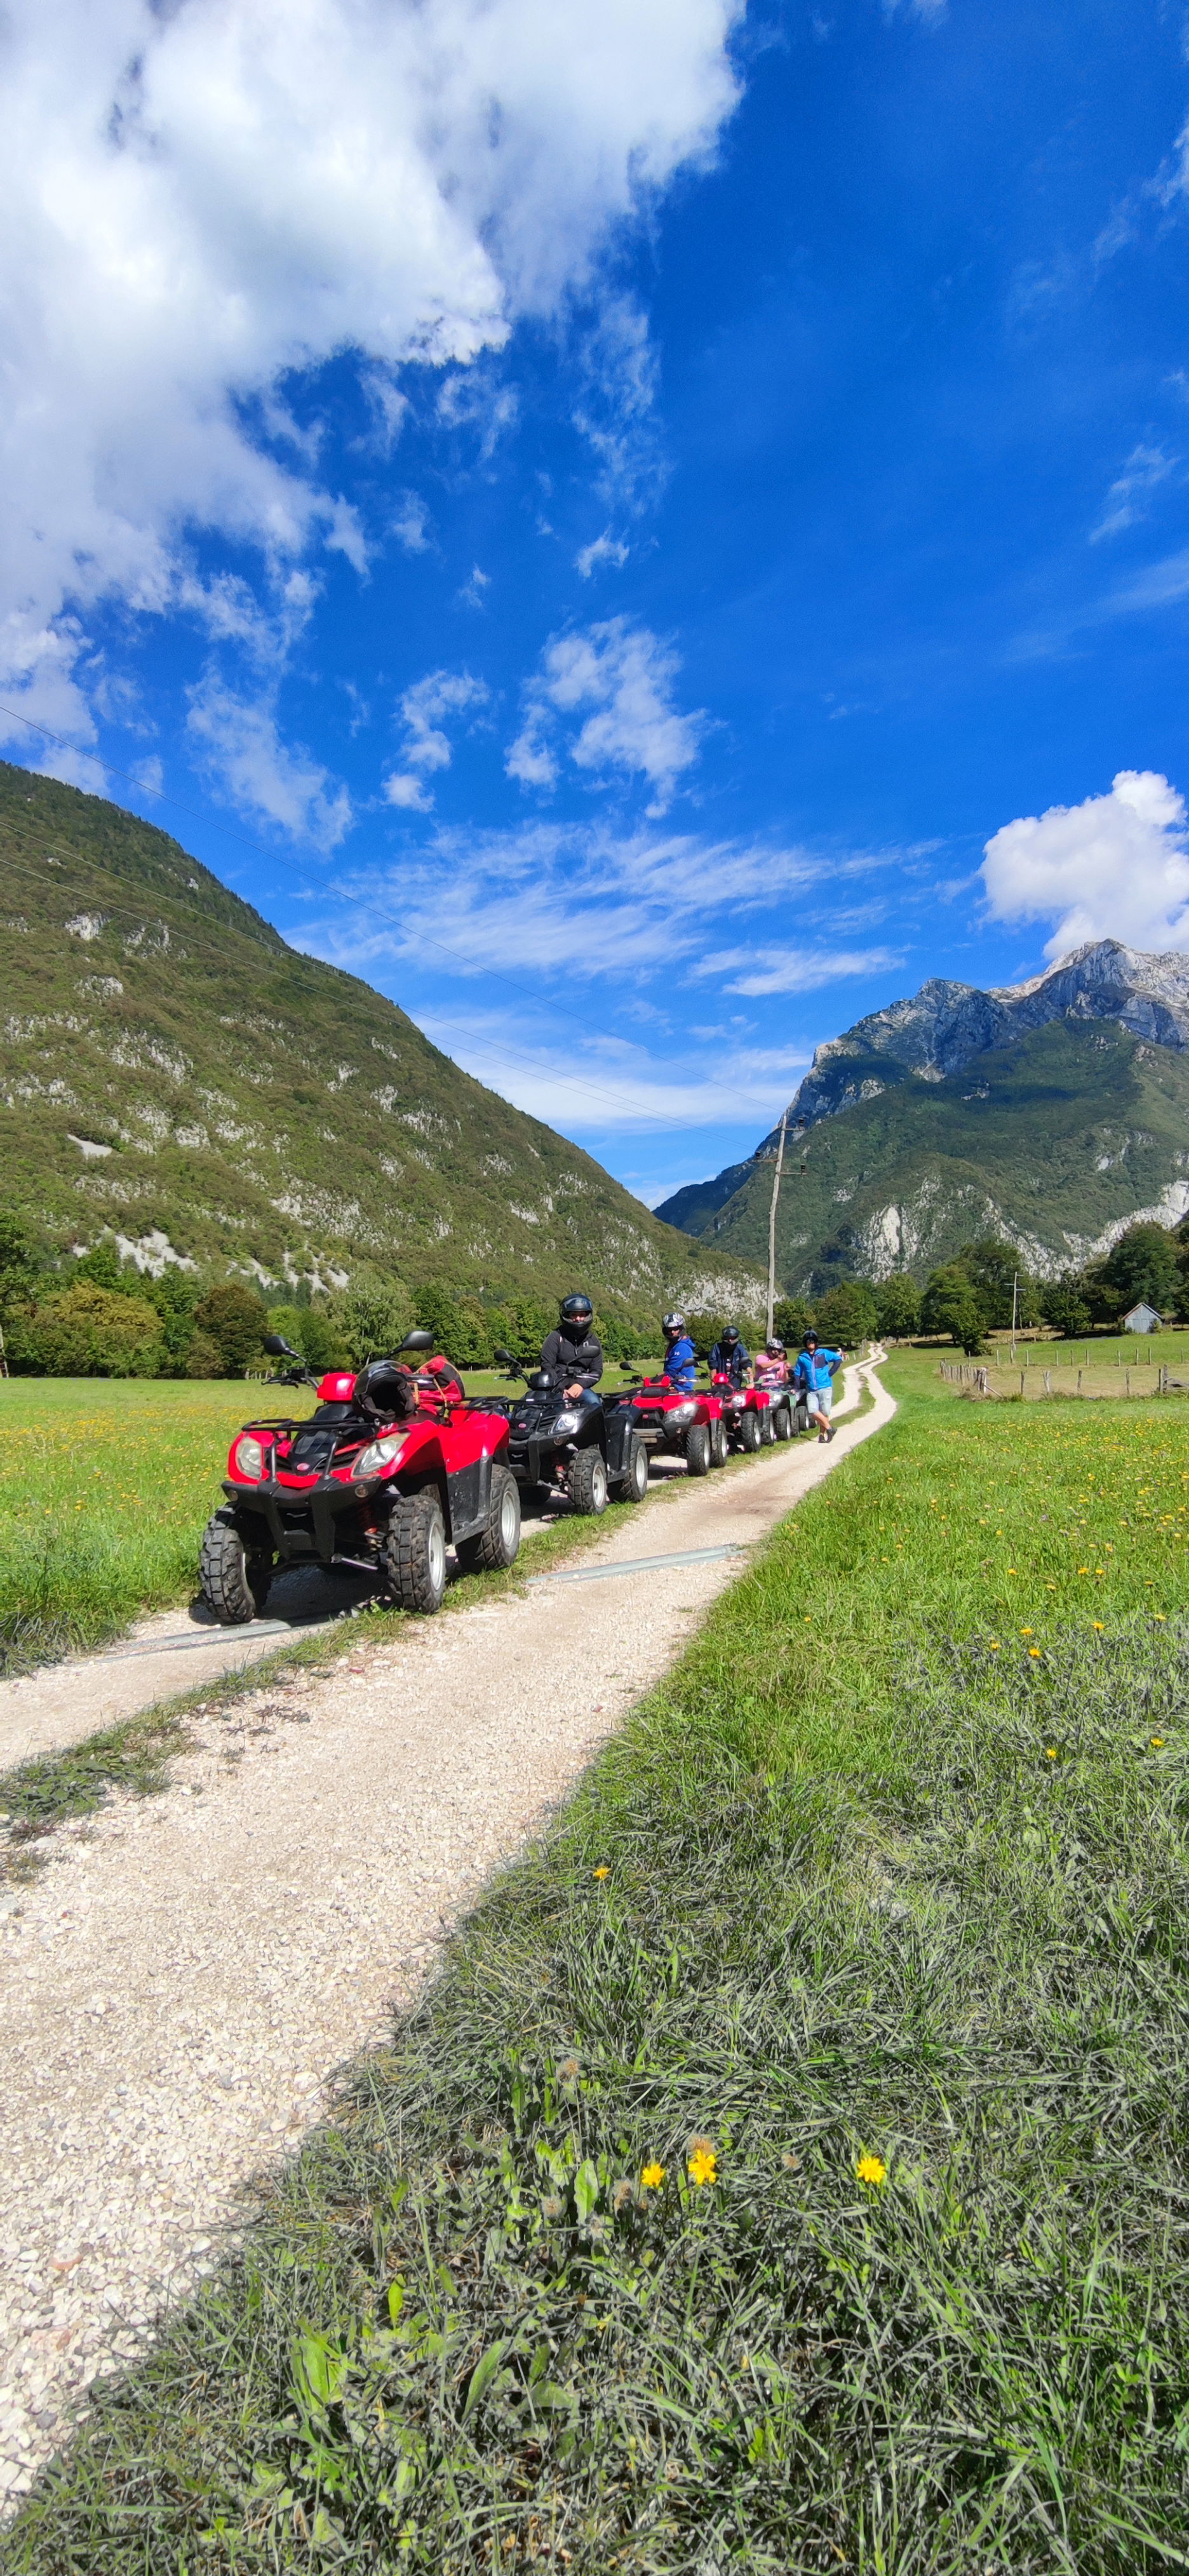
652, 2177
1050, 1752
1011, 1569
602, 1871
1097, 1623
1027, 1632
1083, 1569
1158, 1742
703, 2162
1034, 1651
872, 2169
1160, 1615
993, 1642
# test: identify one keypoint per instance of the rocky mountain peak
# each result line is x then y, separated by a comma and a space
942, 1028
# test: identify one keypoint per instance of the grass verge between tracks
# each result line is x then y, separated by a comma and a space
788, 2169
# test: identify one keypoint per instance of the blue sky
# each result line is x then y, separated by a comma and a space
617, 567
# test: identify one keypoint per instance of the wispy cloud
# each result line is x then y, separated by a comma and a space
601, 550
240, 743
807, 970
1127, 499
599, 1085
427, 748
578, 897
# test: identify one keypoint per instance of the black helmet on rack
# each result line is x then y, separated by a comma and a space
385, 1391
672, 1325
730, 1336
578, 1310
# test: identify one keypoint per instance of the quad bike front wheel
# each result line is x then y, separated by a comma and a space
632, 1486
497, 1544
234, 1578
783, 1421
719, 1445
768, 1428
586, 1481
750, 1434
413, 1556
697, 1450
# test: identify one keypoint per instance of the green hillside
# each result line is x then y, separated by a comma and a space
172, 1073
1053, 1141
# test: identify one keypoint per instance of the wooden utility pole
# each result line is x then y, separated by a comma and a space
784, 1120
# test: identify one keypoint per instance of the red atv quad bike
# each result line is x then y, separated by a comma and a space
755, 1416
676, 1422
389, 1468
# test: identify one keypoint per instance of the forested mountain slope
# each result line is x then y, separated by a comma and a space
1051, 1113
172, 1071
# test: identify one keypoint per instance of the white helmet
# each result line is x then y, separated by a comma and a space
673, 1324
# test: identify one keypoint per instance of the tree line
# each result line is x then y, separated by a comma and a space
101, 1317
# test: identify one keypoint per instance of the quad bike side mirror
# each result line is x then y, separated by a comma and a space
504, 1357
421, 1340
279, 1349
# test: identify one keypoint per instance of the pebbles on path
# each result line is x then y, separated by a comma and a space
188, 1969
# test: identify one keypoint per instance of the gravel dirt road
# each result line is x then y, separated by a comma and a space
188, 1969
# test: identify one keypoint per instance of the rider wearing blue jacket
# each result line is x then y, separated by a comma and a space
680, 1358
814, 1373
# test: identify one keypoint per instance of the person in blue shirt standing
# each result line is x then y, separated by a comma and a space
814, 1372
731, 1358
680, 1359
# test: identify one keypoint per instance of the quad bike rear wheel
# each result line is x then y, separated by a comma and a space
234, 1577
750, 1434
632, 1486
497, 1544
719, 1446
413, 1556
586, 1481
697, 1450
783, 1421
767, 1428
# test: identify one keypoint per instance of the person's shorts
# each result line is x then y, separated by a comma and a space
820, 1400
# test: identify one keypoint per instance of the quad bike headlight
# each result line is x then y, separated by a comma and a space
249, 1458
566, 1424
379, 1453
683, 1412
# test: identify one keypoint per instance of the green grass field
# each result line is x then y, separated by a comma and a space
788, 2172
106, 1485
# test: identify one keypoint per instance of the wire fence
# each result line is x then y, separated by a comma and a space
1034, 1382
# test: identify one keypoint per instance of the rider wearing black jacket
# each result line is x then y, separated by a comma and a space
574, 1353
730, 1357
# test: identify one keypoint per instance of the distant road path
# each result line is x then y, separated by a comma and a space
188, 1969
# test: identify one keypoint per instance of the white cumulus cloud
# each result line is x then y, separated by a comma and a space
605, 697
1114, 867
204, 198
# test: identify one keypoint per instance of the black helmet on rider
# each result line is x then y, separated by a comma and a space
578, 1312
730, 1337
672, 1325
811, 1341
